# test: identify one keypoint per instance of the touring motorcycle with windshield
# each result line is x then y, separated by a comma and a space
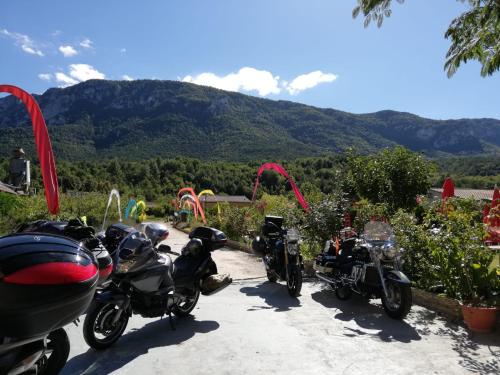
145, 281
369, 266
280, 252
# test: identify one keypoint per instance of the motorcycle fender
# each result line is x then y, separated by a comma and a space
111, 296
398, 277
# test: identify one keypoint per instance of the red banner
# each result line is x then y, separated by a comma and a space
278, 168
43, 146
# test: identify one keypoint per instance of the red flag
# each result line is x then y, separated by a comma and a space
495, 208
486, 213
43, 146
448, 189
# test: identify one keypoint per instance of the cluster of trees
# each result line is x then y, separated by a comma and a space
396, 173
157, 178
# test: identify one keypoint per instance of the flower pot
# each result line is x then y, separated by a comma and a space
479, 319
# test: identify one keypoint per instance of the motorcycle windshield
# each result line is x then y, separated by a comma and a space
378, 233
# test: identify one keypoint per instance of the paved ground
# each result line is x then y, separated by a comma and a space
254, 327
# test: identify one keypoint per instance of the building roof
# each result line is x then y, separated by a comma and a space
479, 194
225, 198
6, 189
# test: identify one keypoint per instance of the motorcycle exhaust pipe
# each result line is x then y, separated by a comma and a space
325, 278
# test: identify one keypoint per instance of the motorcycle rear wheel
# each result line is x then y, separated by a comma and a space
399, 302
294, 282
58, 343
99, 321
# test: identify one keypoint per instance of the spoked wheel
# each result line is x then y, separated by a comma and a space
56, 355
294, 282
399, 300
185, 308
343, 293
99, 329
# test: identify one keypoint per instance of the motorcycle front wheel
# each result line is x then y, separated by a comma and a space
184, 309
399, 300
57, 353
99, 331
343, 293
294, 282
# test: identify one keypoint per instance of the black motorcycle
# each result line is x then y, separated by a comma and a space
280, 252
148, 283
370, 266
46, 282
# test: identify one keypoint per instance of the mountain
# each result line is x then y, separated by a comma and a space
149, 118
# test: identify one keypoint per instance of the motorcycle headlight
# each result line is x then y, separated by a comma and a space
293, 248
389, 251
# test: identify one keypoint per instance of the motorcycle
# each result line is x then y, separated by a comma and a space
280, 252
370, 266
148, 283
46, 282
78, 231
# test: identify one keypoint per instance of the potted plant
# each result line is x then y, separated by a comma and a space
463, 264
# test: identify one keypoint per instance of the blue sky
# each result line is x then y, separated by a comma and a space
309, 51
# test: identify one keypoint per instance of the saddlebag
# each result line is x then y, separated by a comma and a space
46, 282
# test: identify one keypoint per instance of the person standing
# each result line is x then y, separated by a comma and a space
17, 168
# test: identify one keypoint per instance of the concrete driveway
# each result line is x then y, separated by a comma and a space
254, 327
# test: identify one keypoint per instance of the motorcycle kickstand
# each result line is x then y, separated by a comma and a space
171, 320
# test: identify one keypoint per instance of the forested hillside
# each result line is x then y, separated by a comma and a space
147, 119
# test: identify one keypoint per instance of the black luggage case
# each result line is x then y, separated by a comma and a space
212, 238
46, 282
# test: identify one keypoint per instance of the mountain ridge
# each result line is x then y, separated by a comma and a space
148, 118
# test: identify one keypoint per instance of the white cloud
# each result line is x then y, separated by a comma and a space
84, 72
68, 51
86, 43
22, 41
308, 81
45, 77
123, 50
126, 77
246, 79
263, 82
65, 80
77, 73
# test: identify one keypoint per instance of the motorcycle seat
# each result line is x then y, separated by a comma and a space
336, 259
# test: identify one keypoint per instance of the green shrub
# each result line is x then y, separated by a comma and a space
326, 218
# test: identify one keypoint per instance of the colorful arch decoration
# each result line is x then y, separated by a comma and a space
187, 200
43, 146
278, 168
192, 207
114, 193
136, 209
210, 192
191, 192
139, 211
131, 203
